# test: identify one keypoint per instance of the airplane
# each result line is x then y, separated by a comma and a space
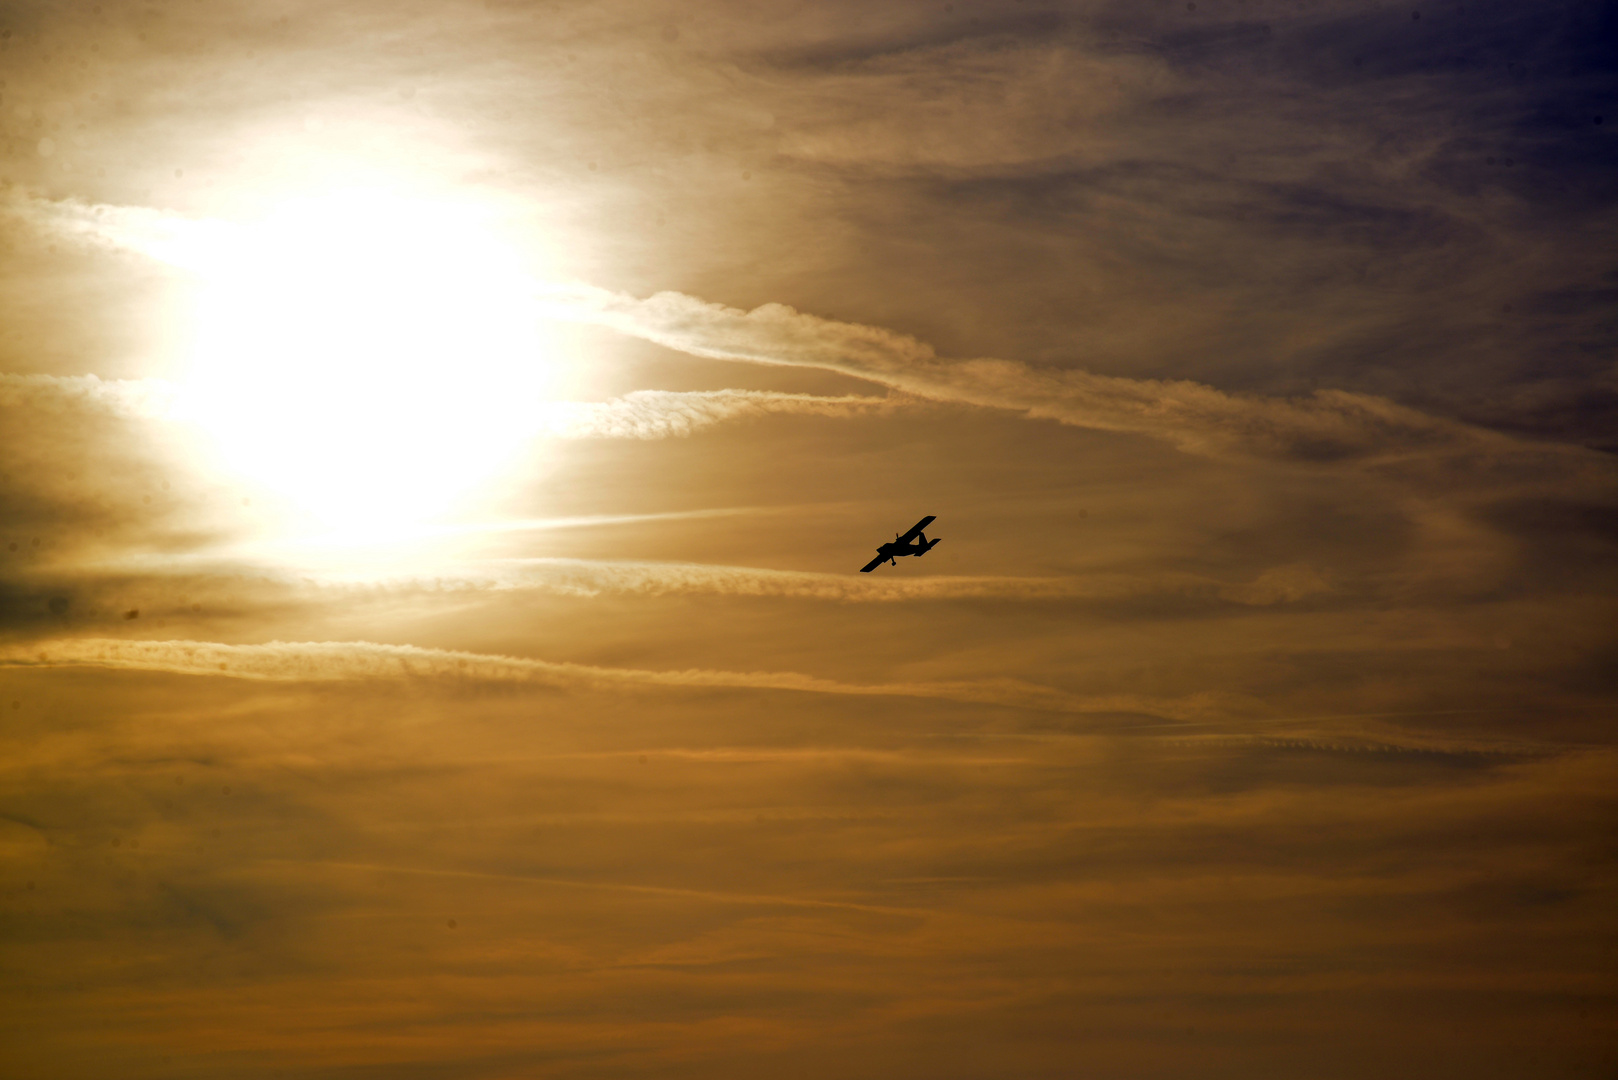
902, 545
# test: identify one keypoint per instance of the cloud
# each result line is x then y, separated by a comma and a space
85, 461
1326, 425
768, 821
336, 661
642, 414
661, 414
190, 243
1329, 424
588, 577
1204, 720
44, 395
1010, 95
1264, 200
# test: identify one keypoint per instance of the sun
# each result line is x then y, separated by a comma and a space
370, 356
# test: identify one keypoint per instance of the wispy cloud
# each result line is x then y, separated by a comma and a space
1204, 719
642, 414
588, 577
1326, 425
147, 399
343, 661
660, 414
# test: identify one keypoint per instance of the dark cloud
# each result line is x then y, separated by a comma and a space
1214, 164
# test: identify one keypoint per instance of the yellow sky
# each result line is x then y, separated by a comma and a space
438, 443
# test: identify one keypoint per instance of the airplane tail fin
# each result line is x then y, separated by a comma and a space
928, 545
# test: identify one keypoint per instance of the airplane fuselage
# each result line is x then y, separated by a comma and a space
895, 550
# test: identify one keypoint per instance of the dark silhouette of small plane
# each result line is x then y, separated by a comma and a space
902, 545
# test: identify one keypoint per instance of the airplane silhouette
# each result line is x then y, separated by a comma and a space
902, 545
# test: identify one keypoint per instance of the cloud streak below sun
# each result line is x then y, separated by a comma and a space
346, 661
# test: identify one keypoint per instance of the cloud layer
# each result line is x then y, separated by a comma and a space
1253, 718
344, 661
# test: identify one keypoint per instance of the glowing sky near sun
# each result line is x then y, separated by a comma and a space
371, 357
438, 443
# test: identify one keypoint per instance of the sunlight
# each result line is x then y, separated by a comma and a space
371, 357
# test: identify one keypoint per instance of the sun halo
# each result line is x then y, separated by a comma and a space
371, 357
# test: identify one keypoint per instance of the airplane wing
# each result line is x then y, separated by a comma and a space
873, 564
916, 529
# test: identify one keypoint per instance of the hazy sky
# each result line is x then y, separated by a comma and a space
438, 442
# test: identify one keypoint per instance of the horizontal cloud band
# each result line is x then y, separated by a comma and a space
1222, 717
585, 577
659, 414
137, 398
643, 414
338, 661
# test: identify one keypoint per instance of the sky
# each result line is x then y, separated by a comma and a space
438, 444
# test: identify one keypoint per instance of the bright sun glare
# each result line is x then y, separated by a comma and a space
371, 357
